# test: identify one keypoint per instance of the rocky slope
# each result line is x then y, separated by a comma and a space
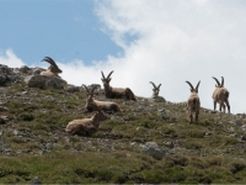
150, 141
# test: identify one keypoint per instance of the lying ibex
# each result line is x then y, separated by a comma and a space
221, 96
95, 105
193, 103
53, 69
85, 126
111, 92
156, 89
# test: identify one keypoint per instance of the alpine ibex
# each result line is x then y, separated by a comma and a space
95, 105
193, 103
53, 69
156, 89
221, 96
85, 126
111, 92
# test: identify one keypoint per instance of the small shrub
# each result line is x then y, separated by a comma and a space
236, 167
26, 117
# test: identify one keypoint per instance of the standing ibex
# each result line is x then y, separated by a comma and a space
221, 96
111, 92
156, 89
85, 126
95, 105
193, 103
53, 69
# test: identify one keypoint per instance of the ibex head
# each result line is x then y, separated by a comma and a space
106, 80
90, 95
156, 89
89, 92
100, 116
192, 89
53, 66
219, 84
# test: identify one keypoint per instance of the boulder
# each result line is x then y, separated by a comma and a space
7, 75
44, 82
72, 88
3, 120
159, 99
153, 149
25, 69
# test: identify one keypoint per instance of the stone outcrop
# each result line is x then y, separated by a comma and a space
44, 82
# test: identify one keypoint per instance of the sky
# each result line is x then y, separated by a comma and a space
162, 41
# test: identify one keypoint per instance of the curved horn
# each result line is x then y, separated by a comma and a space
102, 74
86, 88
197, 86
159, 86
52, 62
191, 86
153, 84
110, 74
222, 81
93, 89
217, 81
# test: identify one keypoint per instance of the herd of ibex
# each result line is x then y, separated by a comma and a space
87, 125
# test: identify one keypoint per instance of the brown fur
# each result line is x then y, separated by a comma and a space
156, 89
111, 92
193, 103
53, 69
221, 96
95, 105
85, 126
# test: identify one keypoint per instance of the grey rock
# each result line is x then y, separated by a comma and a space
15, 132
153, 149
7, 75
241, 116
44, 82
96, 86
25, 70
159, 99
37, 70
243, 138
72, 88
36, 181
3, 120
243, 127
98, 90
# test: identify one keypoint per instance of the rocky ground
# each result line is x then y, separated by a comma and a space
150, 141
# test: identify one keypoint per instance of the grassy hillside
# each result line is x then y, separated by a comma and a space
148, 142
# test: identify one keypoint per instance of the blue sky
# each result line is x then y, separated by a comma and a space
164, 41
63, 29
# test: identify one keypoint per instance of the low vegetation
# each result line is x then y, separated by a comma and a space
147, 142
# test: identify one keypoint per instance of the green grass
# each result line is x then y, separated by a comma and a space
210, 151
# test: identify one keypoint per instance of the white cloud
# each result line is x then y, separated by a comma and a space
77, 73
177, 41
10, 59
